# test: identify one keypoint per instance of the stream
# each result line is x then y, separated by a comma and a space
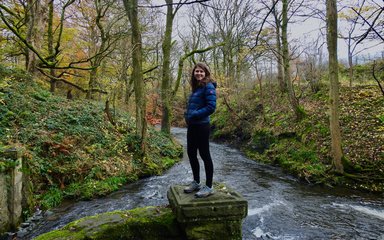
279, 207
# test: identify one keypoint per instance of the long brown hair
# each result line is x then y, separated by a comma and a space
194, 83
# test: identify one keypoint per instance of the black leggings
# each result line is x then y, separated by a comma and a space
198, 139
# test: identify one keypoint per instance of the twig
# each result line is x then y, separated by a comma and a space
377, 80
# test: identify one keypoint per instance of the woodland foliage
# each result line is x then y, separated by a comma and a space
270, 134
71, 149
99, 71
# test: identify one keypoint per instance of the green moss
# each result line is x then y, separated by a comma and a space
62, 235
349, 166
140, 223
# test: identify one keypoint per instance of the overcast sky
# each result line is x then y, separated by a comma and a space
307, 31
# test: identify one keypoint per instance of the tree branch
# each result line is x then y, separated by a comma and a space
370, 25
377, 80
150, 70
70, 83
27, 44
262, 24
181, 64
176, 4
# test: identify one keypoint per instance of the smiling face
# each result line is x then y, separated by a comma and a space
199, 74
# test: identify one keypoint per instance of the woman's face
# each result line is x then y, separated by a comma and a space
199, 74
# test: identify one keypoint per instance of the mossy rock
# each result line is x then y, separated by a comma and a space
141, 223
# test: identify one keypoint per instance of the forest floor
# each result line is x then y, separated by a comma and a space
266, 130
71, 149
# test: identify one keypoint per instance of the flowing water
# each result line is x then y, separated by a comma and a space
279, 206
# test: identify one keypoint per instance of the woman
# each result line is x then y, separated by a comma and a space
201, 104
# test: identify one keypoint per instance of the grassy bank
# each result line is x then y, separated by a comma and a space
265, 129
71, 149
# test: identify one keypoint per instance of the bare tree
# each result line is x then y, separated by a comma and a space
337, 152
279, 54
313, 66
166, 90
353, 32
234, 23
166, 72
131, 8
286, 64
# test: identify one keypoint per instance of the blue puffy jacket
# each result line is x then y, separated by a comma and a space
201, 104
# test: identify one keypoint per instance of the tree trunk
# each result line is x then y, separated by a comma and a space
52, 81
50, 44
259, 78
337, 153
137, 73
124, 73
101, 33
36, 10
166, 75
231, 69
91, 83
350, 63
287, 72
280, 70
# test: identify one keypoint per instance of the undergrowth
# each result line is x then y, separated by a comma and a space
71, 150
266, 130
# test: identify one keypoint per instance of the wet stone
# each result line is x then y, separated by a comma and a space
25, 224
218, 216
21, 233
36, 218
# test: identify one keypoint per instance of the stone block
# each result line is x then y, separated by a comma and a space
11, 184
4, 213
16, 195
218, 216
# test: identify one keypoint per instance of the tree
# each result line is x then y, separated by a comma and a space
50, 56
35, 17
166, 89
289, 10
313, 64
137, 73
336, 149
234, 24
166, 72
279, 54
276, 48
99, 22
286, 65
354, 33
